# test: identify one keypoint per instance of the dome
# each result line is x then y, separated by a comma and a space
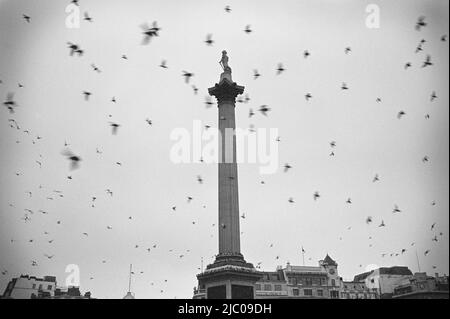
129, 295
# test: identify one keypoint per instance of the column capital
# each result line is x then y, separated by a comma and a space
226, 91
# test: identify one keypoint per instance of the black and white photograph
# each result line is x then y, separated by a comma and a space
220, 149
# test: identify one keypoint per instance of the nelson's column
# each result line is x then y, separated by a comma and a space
230, 276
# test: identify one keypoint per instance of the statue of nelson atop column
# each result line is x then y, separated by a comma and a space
224, 62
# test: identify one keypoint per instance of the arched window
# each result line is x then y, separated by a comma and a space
333, 282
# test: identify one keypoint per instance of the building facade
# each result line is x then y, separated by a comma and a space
296, 282
31, 287
27, 287
383, 280
357, 290
422, 286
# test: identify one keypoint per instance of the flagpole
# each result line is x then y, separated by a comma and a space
129, 278
418, 264
303, 256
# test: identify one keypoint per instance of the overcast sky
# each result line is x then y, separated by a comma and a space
370, 139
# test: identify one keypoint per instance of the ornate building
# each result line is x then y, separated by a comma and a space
297, 282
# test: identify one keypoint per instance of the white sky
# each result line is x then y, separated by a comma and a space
370, 139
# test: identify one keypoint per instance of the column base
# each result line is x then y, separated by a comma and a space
229, 277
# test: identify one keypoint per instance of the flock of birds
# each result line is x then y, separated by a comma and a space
149, 32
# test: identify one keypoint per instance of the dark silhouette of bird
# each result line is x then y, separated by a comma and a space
427, 252
435, 238
195, 89
427, 62
368, 219
400, 114
87, 17
247, 29
163, 64
382, 224
376, 178
291, 200
433, 96
344, 86
348, 50
95, 68
264, 109
432, 226
208, 102
256, 74
287, 167
408, 65
444, 38
199, 179
228, 9
48, 256
333, 144
280, 68
149, 32
74, 159
250, 113
349, 200
308, 96
403, 251
149, 122
187, 76
75, 48
209, 40
420, 23
316, 195
425, 159
86, 95
26, 18
306, 54
114, 127
10, 103
124, 57
396, 209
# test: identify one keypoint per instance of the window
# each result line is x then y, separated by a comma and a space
258, 287
277, 288
307, 292
333, 282
34, 286
293, 280
335, 294
49, 287
273, 277
295, 292
308, 281
40, 287
267, 287
320, 293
